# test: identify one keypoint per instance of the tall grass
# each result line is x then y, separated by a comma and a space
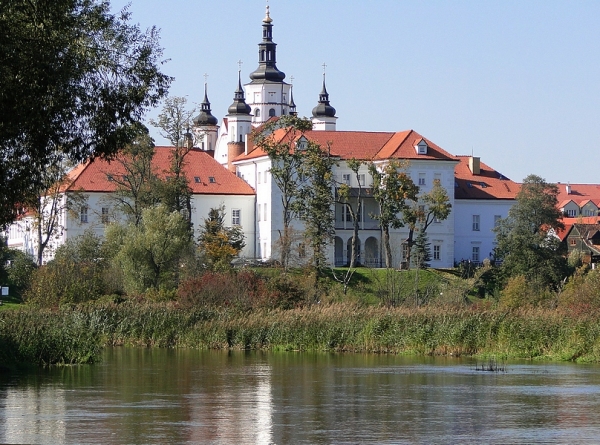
75, 336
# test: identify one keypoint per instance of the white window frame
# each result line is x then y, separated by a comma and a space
105, 218
236, 217
475, 254
83, 215
346, 178
437, 252
422, 179
476, 223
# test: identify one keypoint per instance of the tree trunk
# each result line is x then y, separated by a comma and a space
386, 246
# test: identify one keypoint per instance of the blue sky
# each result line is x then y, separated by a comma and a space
514, 82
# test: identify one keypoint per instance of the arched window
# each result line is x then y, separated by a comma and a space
257, 112
272, 112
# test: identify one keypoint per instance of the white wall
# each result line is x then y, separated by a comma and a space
465, 238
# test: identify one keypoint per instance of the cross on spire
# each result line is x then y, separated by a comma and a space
324, 67
205, 77
240, 64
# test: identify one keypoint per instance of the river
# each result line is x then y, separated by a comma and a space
217, 397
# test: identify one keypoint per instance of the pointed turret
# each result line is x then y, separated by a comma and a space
292, 105
205, 125
239, 105
268, 94
324, 114
267, 70
205, 117
239, 120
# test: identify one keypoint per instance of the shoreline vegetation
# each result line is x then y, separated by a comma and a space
76, 334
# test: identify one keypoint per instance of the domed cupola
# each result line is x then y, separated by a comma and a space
267, 70
239, 105
323, 109
205, 117
324, 114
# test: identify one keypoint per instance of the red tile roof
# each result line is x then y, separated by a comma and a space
363, 145
580, 193
488, 184
93, 176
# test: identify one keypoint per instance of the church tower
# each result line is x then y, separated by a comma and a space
324, 114
239, 124
205, 125
268, 94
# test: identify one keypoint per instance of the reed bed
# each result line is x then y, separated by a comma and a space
76, 335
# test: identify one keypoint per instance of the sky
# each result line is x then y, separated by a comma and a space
514, 82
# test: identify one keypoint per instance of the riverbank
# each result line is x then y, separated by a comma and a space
77, 334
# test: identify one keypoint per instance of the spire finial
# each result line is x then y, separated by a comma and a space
240, 63
267, 18
205, 77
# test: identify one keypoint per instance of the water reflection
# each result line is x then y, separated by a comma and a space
208, 397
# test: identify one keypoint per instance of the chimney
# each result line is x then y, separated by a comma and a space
568, 188
474, 165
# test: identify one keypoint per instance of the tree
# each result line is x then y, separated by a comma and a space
286, 161
220, 244
136, 189
76, 80
151, 253
392, 188
316, 200
351, 201
174, 122
50, 204
429, 207
421, 254
526, 240
76, 274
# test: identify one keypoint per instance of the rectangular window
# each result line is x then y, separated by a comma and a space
347, 214
571, 213
235, 217
475, 256
497, 219
436, 252
346, 178
104, 215
264, 252
572, 241
259, 211
361, 180
265, 207
589, 212
421, 178
83, 215
301, 250
259, 176
476, 220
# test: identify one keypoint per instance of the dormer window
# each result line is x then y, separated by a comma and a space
197, 179
301, 144
211, 179
421, 147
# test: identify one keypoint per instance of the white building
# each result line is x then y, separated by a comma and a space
212, 186
478, 194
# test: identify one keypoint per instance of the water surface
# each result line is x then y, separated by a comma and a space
215, 397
